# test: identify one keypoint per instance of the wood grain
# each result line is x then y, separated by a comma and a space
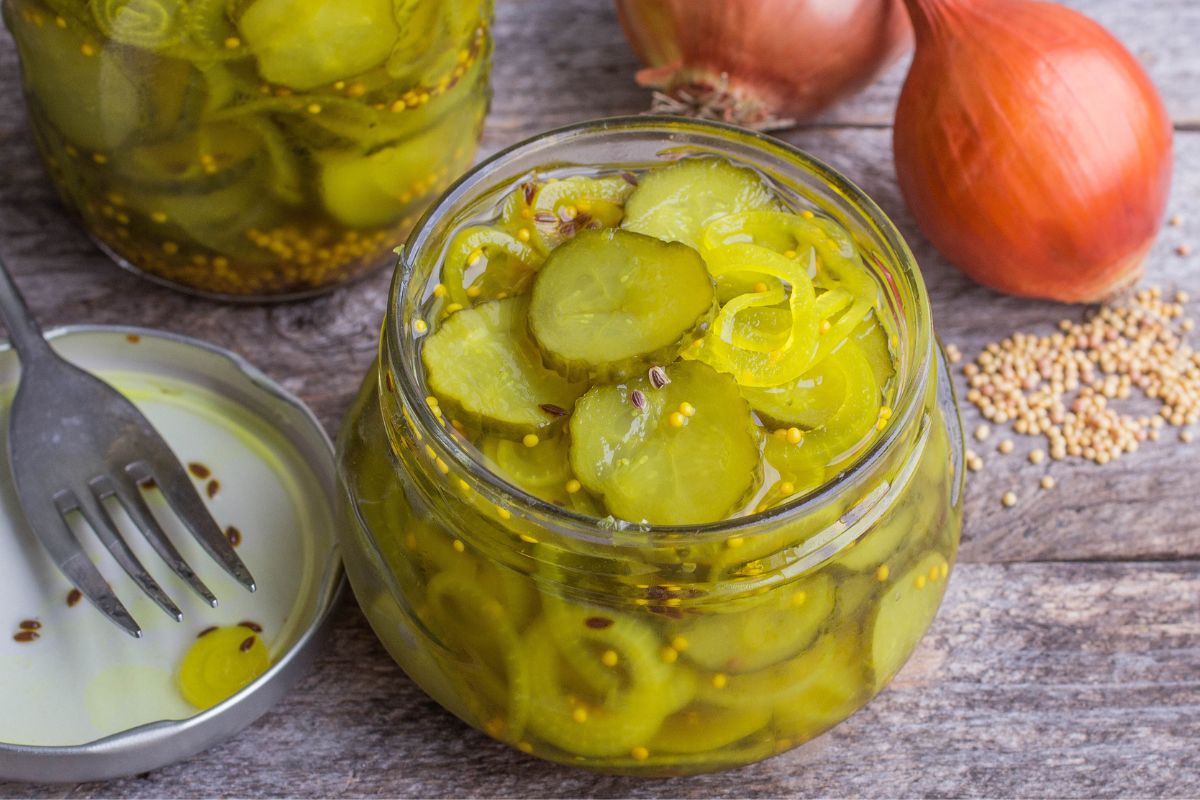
1065, 663
1037, 680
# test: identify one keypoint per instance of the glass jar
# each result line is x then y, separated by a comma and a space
635, 648
252, 148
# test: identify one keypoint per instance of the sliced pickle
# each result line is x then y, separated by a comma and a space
369, 190
834, 263
677, 202
836, 691
482, 364
776, 684
87, 92
304, 45
565, 207
873, 340
542, 470
610, 303
886, 537
808, 402
702, 729
782, 232
613, 722
656, 464
727, 345
485, 263
764, 635
905, 613
840, 433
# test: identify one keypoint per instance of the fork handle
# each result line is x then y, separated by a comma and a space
22, 327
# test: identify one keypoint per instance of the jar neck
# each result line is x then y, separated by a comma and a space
411, 423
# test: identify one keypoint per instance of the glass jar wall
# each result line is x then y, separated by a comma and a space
252, 148
635, 648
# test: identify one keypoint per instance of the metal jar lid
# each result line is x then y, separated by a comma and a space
80, 700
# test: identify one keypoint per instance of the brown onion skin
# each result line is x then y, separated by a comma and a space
793, 57
1032, 148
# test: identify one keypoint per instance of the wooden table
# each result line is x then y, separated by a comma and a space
1065, 662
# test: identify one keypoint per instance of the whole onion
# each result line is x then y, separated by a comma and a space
1032, 148
757, 62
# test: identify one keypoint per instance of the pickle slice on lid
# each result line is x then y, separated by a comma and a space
676, 202
482, 364
613, 302
905, 612
648, 459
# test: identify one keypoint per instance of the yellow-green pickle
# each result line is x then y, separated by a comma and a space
659, 470
253, 148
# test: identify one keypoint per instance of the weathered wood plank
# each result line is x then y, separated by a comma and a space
1048, 680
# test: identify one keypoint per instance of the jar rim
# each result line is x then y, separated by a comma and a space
399, 345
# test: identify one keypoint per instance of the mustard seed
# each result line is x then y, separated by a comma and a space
1047, 482
1065, 386
1008, 499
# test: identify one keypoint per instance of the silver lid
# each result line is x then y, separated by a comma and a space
83, 702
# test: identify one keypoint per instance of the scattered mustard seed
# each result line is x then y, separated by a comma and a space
1037, 455
1185, 437
1184, 250
982, 432
1047, 482
1006, 446
1065, 386
1009, 499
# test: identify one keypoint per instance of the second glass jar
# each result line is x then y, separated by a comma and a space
252, 148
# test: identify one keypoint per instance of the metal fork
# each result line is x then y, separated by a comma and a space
73, 442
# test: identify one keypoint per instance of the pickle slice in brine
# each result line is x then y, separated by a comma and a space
86, 91
702, 729
676, 202
312, 42
542, 470
613, 302
485, 263
905, 612
835, 692
365, 190
649, 460
841, 425
482, 364
565, 207
872, 338
758, 637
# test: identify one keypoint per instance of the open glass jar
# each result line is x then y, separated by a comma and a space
252, 148
635, 648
